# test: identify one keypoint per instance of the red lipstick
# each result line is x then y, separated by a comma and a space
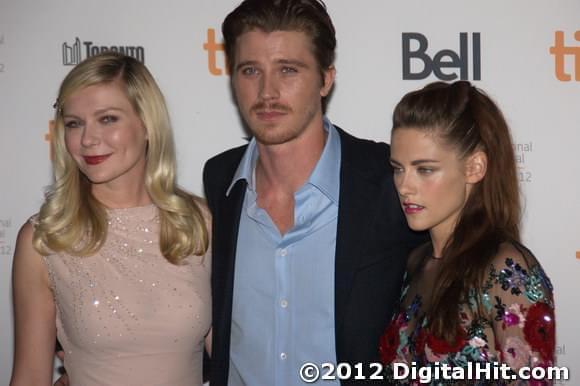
95, 159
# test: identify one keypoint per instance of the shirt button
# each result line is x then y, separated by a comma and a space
283, 252
284, 303
283, 356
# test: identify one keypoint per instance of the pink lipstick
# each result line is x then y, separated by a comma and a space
412, 208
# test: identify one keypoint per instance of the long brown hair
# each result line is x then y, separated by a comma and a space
468, 120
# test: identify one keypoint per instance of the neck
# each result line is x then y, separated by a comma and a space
438, 241
121, 196
288, 166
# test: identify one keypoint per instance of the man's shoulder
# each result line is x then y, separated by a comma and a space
220, 169
363, 151
230, 157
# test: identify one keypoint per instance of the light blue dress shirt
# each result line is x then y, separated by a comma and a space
283, 302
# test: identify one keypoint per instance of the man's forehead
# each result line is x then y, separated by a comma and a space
258, 40
273, 32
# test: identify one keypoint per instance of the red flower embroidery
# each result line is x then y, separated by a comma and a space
539, 330
441, 346
389, 343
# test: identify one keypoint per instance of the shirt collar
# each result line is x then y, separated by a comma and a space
247, 167
325, 176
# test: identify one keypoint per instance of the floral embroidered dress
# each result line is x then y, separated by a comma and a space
517, 327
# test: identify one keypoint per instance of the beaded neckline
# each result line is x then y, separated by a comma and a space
148, 211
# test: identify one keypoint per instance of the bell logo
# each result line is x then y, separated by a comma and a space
212, 48
444, 59
560, 51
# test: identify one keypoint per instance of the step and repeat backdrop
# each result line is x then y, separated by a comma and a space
525, 54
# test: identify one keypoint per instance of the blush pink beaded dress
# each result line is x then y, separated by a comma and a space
126, 316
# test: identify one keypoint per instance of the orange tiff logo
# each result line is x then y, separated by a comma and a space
212, 47
560, 52
48, 137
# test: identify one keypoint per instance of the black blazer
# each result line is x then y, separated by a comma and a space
373, 242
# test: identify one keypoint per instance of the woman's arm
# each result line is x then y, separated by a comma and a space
34, 315
521, 308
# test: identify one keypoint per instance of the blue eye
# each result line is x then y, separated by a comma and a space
249, 71
71, 124
107, 119
289, 70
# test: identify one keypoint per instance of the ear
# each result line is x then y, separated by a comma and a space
475, 167
329, 75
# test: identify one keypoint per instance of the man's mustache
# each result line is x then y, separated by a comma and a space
279, 107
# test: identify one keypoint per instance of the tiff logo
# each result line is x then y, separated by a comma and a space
72, 54
446, 64
212, 47
48, 137
560, 51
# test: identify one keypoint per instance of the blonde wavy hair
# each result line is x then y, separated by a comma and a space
71, 219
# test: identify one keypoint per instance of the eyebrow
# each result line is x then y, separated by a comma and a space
97, 112
291, 62
100, 111
416, 162
296, 63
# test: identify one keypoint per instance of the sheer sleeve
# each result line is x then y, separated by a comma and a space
518, 296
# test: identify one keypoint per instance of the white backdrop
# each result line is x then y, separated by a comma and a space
537, 87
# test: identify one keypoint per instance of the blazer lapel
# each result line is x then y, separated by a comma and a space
225, 245
355, 212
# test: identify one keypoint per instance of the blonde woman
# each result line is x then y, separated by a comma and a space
116, 262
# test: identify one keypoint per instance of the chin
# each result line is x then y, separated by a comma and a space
96, 179
417, 227
278, 138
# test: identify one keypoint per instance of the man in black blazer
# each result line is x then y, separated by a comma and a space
281, 57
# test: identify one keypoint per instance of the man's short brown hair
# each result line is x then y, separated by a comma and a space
308, 16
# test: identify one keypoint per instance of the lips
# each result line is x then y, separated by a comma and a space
410, 208
95, 159
269, 115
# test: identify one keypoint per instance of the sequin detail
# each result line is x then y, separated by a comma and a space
127, 307
517, 326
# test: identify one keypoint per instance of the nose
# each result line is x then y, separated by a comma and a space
269, 86
404, 183
90, 135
